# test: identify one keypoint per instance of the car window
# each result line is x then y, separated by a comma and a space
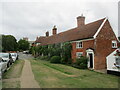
13, 55
4, 55
0, 54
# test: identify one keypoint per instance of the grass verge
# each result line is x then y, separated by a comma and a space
54, 76
14, 84
15, 70
11, 77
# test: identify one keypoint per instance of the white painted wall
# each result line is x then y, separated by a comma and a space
110, 62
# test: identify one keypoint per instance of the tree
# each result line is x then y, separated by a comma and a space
23, 45
66, 52
9, 43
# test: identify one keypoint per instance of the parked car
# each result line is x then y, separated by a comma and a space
26, 52
7, 58
14, 56
3, 66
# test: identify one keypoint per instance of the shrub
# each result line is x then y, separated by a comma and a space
66, 61
81, 62
63, 60
66, 52
43, 58
54, 50
55, 59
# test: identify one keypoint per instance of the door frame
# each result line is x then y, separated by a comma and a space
90, 51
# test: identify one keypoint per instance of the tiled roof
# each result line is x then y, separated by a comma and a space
83, 32
40, 39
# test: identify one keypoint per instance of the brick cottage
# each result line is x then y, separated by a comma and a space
95, 40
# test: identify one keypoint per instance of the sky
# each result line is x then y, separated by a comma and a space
32, 18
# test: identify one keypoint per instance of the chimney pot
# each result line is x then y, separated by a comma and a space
47, 34
37, 37
80, 21
54, 30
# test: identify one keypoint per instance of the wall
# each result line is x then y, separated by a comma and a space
86, 44
103, 46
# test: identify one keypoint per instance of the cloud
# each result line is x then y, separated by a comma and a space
34, 18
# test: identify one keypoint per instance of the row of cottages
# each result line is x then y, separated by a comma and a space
95, 40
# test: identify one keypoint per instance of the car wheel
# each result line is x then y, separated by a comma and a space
8, 64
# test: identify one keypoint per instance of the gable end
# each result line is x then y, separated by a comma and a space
100, 28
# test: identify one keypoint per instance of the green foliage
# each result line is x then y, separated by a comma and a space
66, 53
44, 58
81, 62
61, 49
44, 50
54, 50
23, 45
55, 59
9, 43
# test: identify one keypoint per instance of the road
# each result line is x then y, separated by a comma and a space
24, 56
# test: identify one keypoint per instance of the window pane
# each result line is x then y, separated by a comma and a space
118, 61
114, 44
79, 54
79, 45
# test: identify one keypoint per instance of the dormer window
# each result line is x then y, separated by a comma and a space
114, 44
79, 45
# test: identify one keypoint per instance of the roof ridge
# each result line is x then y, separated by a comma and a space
96, 21
86, 31
84, 25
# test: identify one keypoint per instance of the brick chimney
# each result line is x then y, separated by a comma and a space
37, 38
47, 34
80, 21
54, 30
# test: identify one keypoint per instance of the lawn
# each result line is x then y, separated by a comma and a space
13, 73
61, 76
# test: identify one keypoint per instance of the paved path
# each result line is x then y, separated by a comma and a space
27, 78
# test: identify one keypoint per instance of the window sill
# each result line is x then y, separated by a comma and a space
114, 47
79, 48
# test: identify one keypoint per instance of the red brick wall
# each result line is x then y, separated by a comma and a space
103, 45
86, 44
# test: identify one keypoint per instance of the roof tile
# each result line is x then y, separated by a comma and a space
83, 32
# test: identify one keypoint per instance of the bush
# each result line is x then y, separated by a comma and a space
81, 62
55, 59
63, 60
44, 58
66, 61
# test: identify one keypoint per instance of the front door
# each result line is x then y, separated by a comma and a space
90, 55
91, 60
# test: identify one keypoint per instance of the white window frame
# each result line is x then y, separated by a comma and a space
114, 44
79, 44
77, 54
38, 44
